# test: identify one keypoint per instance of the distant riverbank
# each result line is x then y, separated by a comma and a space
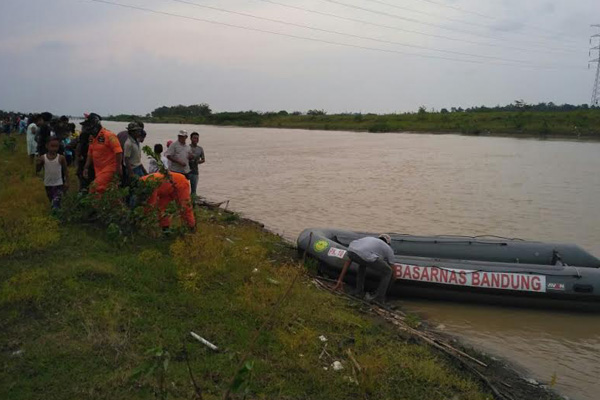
576, 124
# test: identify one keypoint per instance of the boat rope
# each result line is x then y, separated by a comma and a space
498, 237
467, 237
451, 242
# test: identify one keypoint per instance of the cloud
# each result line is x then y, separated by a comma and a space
547, 8
508, 26
53, 46
116, 60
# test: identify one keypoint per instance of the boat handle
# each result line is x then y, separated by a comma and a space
579, 288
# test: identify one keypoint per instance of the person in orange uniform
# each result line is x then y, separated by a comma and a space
175, 189
104, 153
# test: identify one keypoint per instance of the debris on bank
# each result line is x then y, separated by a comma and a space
504, 382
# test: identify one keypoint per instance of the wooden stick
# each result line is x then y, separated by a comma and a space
318, 282
397, 320
464, 354
434, 342
356, 364
323, 351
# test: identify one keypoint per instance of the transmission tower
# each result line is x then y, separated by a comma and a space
596, 91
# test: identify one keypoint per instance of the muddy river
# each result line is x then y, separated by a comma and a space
428, 184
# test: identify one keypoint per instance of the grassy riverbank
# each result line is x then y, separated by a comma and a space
85, 316
580, 123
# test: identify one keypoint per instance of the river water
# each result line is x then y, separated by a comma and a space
427, 184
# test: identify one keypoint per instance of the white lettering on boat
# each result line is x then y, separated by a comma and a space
339, 253
556, 286
463, 277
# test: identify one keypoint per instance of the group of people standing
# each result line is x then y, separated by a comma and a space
181, 157
103, 158
14, 122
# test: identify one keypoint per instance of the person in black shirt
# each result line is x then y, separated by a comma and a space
43, 133
81, 150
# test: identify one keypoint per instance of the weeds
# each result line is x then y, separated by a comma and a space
82, 312
28, 234
413, 320
26, 287
380, 127
9, 143
231, 217
155, 367
243, 379
111, 210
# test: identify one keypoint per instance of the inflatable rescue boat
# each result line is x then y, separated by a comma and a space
473, 269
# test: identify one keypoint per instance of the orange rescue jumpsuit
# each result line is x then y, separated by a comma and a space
178, 191
103, 150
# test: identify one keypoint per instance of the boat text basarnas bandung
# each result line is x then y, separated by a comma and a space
473, 278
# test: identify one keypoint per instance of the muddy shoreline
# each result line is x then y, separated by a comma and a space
498, 375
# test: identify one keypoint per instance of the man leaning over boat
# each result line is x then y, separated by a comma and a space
375, 254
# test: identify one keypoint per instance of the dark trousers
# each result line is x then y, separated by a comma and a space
193, 182
84, 183
55, 194
380, 267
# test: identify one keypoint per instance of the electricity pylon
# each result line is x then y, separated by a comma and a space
596, 90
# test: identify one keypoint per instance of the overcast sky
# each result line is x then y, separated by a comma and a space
72, 56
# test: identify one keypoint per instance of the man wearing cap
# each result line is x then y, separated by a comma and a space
179, 155
375, 254
124, 135
104, 153
132, 153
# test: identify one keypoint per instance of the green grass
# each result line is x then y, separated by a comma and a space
581, 123
78, 315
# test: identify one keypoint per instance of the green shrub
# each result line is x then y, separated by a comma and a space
380, 127
111, 210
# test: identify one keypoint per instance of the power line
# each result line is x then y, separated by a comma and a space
483, 15
362, 21
416, 21
191, 3
460, 21
412, 10
148, 10
456, 8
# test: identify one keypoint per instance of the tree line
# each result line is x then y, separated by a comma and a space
203, 110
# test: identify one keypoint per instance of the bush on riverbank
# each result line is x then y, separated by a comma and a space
83, 318
542, 120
